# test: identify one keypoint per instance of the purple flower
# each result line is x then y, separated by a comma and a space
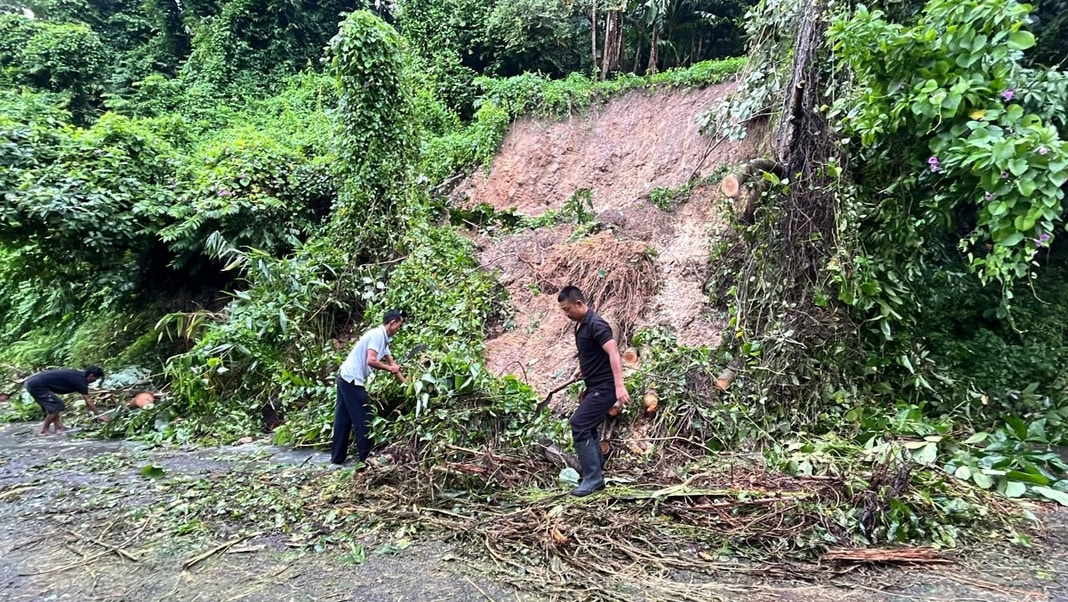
1004, 175
988, 196
1041, 241
1008, 94
933, 162
224, 192
1043, 150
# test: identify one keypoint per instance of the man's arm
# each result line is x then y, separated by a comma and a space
612, 350
89, 404
388, 366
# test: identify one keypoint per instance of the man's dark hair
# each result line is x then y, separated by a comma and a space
393, 314
571, 293
96, 371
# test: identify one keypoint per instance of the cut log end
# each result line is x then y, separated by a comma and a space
725, 379
731, 185
143, 399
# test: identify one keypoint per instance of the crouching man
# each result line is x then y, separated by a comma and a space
46, 387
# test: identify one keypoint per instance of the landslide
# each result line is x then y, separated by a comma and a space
648, 266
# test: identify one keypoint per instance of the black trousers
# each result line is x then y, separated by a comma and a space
591, 413
352, 410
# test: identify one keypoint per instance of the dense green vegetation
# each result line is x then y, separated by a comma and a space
226, 193
203, 191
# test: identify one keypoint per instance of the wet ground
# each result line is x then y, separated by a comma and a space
84, 519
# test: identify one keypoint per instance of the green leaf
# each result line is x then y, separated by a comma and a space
1018, 166
926, 454
153, 472
976, 438
1026, 186
1014, 488
1052, 494
963, 473
982, 480
1027, 477
1012, 239
1021, 40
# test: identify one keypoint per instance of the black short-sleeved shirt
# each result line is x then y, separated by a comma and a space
60, 380
590, 336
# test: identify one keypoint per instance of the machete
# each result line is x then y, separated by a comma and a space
545, 402
414, 351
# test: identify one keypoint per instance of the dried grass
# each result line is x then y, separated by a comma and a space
617, 276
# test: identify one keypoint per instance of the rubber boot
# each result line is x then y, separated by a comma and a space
589, 454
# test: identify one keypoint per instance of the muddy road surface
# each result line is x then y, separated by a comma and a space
85, 519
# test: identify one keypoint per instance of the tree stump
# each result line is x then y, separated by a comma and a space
733, 186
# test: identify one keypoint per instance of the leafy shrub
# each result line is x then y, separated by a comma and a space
533, 36
59, 57
377, 139
986, 167
250, 45
454, 153
1014, 364
448, 42
74, 202
251, 191
532, 93
270, 348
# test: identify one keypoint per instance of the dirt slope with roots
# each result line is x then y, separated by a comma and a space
648, 266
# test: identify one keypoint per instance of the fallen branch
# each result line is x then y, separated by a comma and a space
64, 567
726, 377
188, 564
121, 553
887, 555
559, 457
13, 492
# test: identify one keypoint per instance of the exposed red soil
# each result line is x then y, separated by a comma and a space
621, 151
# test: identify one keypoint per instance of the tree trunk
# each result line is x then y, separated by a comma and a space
651, 69
613, 42
593, 35
800, 120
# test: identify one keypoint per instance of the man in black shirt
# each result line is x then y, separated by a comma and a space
46, 387
602, 372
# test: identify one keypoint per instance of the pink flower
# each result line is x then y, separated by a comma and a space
933, 162
988, 196
1043, 150
224, 192
1008, 94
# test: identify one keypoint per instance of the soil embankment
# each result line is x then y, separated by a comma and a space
622, 152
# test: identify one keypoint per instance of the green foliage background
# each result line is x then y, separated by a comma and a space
229, 192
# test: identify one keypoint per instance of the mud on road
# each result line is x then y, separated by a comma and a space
84, 519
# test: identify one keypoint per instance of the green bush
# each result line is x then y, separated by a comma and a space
251, 191
456, 152
533, 36
532, 93
377, 138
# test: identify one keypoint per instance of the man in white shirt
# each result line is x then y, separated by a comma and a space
353, 407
